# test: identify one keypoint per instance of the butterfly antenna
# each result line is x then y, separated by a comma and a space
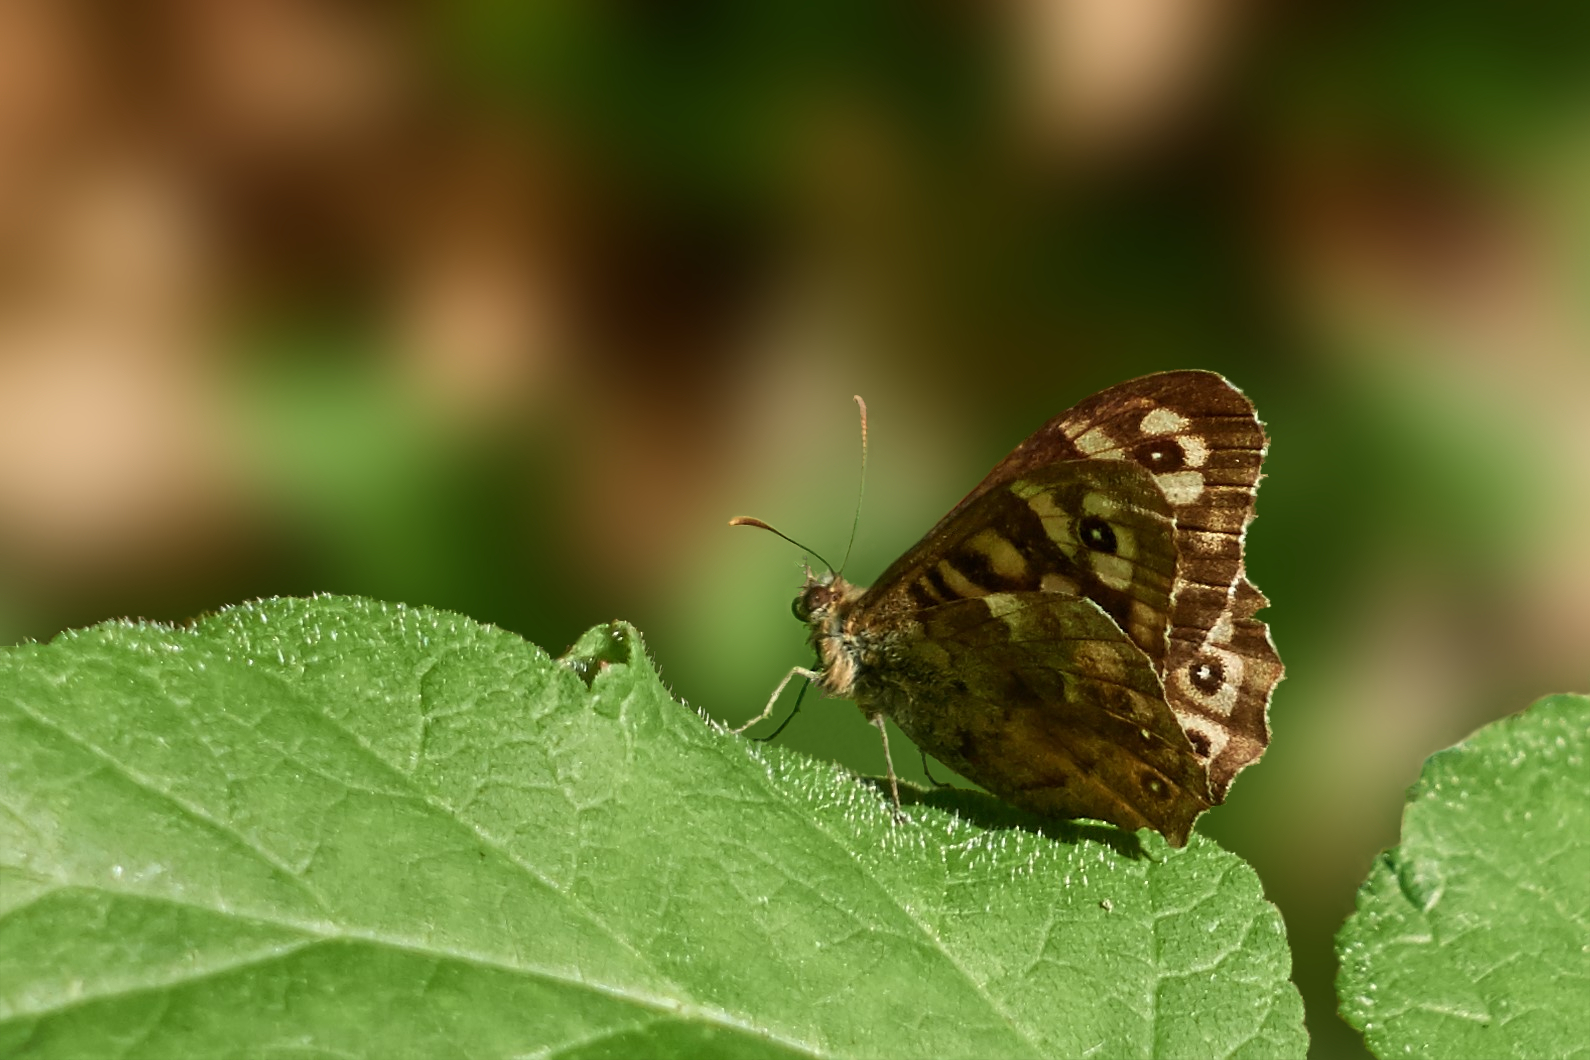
746, 520
861, 489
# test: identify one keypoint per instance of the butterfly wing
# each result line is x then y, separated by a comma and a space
1201, 442
1201, 439
1043, 700
1017, 644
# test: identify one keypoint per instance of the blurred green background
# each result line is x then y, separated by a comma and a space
506, 308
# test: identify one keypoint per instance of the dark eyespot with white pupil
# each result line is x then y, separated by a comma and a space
1160, 455
1097, 534
1207, 676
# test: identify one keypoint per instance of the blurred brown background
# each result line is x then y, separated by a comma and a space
506, 307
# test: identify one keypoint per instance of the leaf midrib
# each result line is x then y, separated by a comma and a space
315, 935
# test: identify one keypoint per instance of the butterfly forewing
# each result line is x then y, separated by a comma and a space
1095, 529
1198, 435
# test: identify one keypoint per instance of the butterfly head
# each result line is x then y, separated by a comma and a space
823, 604
821, 598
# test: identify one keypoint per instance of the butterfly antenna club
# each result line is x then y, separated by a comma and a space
747, 520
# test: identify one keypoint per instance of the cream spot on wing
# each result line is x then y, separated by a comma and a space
1096, 443
959, 583
1125, 542
1000, 604
1194, 452
1059, 583
1162, 421
1100, 504
1181, 487
1003, 559
1114, 571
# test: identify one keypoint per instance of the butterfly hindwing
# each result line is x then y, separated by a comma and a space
1056, 711
1218, 680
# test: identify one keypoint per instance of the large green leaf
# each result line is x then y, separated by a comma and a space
337, 827
1472, 938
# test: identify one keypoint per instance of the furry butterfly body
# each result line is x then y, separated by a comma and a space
1078, 634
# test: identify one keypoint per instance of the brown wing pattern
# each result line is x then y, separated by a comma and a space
1201, 439
1057, 710
1098, 529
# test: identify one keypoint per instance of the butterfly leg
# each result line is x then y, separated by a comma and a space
935, 781
767, 712
888, 761
796, 709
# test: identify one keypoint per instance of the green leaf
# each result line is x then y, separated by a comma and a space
1472, 938
334, 826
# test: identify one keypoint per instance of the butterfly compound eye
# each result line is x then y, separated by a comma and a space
1097, 534
799, 608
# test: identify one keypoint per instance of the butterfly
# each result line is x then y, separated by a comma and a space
1077, 635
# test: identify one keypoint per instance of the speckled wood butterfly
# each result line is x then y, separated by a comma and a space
1077, 634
